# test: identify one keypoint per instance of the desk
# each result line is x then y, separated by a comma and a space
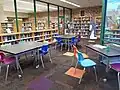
67, 37
113, 52
20, 48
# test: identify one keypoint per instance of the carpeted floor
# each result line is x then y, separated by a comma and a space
56, 73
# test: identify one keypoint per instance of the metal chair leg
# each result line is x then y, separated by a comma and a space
7, 72
55, 45
61, 47
0, 67
76, 66
73, 59
119, 79
95, 73
50, 57
42, 61
80, 80
81, 77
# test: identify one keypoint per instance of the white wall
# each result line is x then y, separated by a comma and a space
12, 14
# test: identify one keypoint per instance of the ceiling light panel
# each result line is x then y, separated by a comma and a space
71, 3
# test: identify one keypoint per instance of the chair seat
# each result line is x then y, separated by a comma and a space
9, 60
87, 63
85, 55
116, 67
43, 52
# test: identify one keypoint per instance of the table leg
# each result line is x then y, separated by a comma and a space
18, 66
108, 64
68, 44
39, 58
86, 50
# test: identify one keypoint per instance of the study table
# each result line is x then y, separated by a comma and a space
66, 37
113, 52
18, 49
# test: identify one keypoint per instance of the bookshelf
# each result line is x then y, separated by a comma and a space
7, 27
26, 26
112, 35
27, 32
98, 25
82, 25
85, 24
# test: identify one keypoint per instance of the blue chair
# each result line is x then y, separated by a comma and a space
86, 63
43, 51
72, 42
59, 42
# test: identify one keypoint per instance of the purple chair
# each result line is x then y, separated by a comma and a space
116, 67
7, 61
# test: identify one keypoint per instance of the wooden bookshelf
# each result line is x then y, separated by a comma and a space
28, 34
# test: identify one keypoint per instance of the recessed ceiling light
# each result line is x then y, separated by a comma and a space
71, 3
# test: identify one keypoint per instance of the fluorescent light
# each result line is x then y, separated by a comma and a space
71, 3
26, 2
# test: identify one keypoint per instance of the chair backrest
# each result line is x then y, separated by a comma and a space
75, 51
2, 56
80, 56
45, 48
73, 39
59, 39
78, 38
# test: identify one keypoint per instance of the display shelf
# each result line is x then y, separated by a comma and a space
7, 27
98, 25
112, 35
26, 33
26, 26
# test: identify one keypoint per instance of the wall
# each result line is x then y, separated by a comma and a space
94, 11
12, 14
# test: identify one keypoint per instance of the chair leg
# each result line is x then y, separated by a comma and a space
42, 61
80, 80
73, 59
61, 47
76, 66
119, 79
95, 73
7, 72
50, 57
55, 45
0, 67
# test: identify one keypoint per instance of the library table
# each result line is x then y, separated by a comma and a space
21, 48
67, 37
112, 54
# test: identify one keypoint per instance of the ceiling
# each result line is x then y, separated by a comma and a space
26, 6
82, 3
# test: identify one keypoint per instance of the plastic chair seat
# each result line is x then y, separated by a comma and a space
116, 67
87, 63
42, 52
9, 60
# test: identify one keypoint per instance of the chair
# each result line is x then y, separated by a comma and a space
76, 55
116, 67
72, 42
43, 51
7, 61
85, 63
59, 42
